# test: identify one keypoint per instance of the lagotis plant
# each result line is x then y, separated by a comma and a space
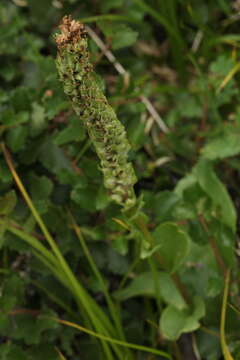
105, 130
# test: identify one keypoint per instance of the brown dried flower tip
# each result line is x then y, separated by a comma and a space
71, 31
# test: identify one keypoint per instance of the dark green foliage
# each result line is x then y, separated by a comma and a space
183, 56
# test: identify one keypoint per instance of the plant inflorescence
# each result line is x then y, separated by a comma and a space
105, 130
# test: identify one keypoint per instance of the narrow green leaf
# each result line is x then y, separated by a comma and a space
226, 353
115, 341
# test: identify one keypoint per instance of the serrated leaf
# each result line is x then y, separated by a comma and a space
144, 285
213, 187
173, 245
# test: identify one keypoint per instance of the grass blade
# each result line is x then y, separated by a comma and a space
111, 306
61, 357
119, 342
87, 304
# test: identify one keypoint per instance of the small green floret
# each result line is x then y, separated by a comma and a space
105, 130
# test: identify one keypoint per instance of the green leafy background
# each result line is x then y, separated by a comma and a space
184, 57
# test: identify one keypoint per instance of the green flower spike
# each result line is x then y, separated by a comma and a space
105, 130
